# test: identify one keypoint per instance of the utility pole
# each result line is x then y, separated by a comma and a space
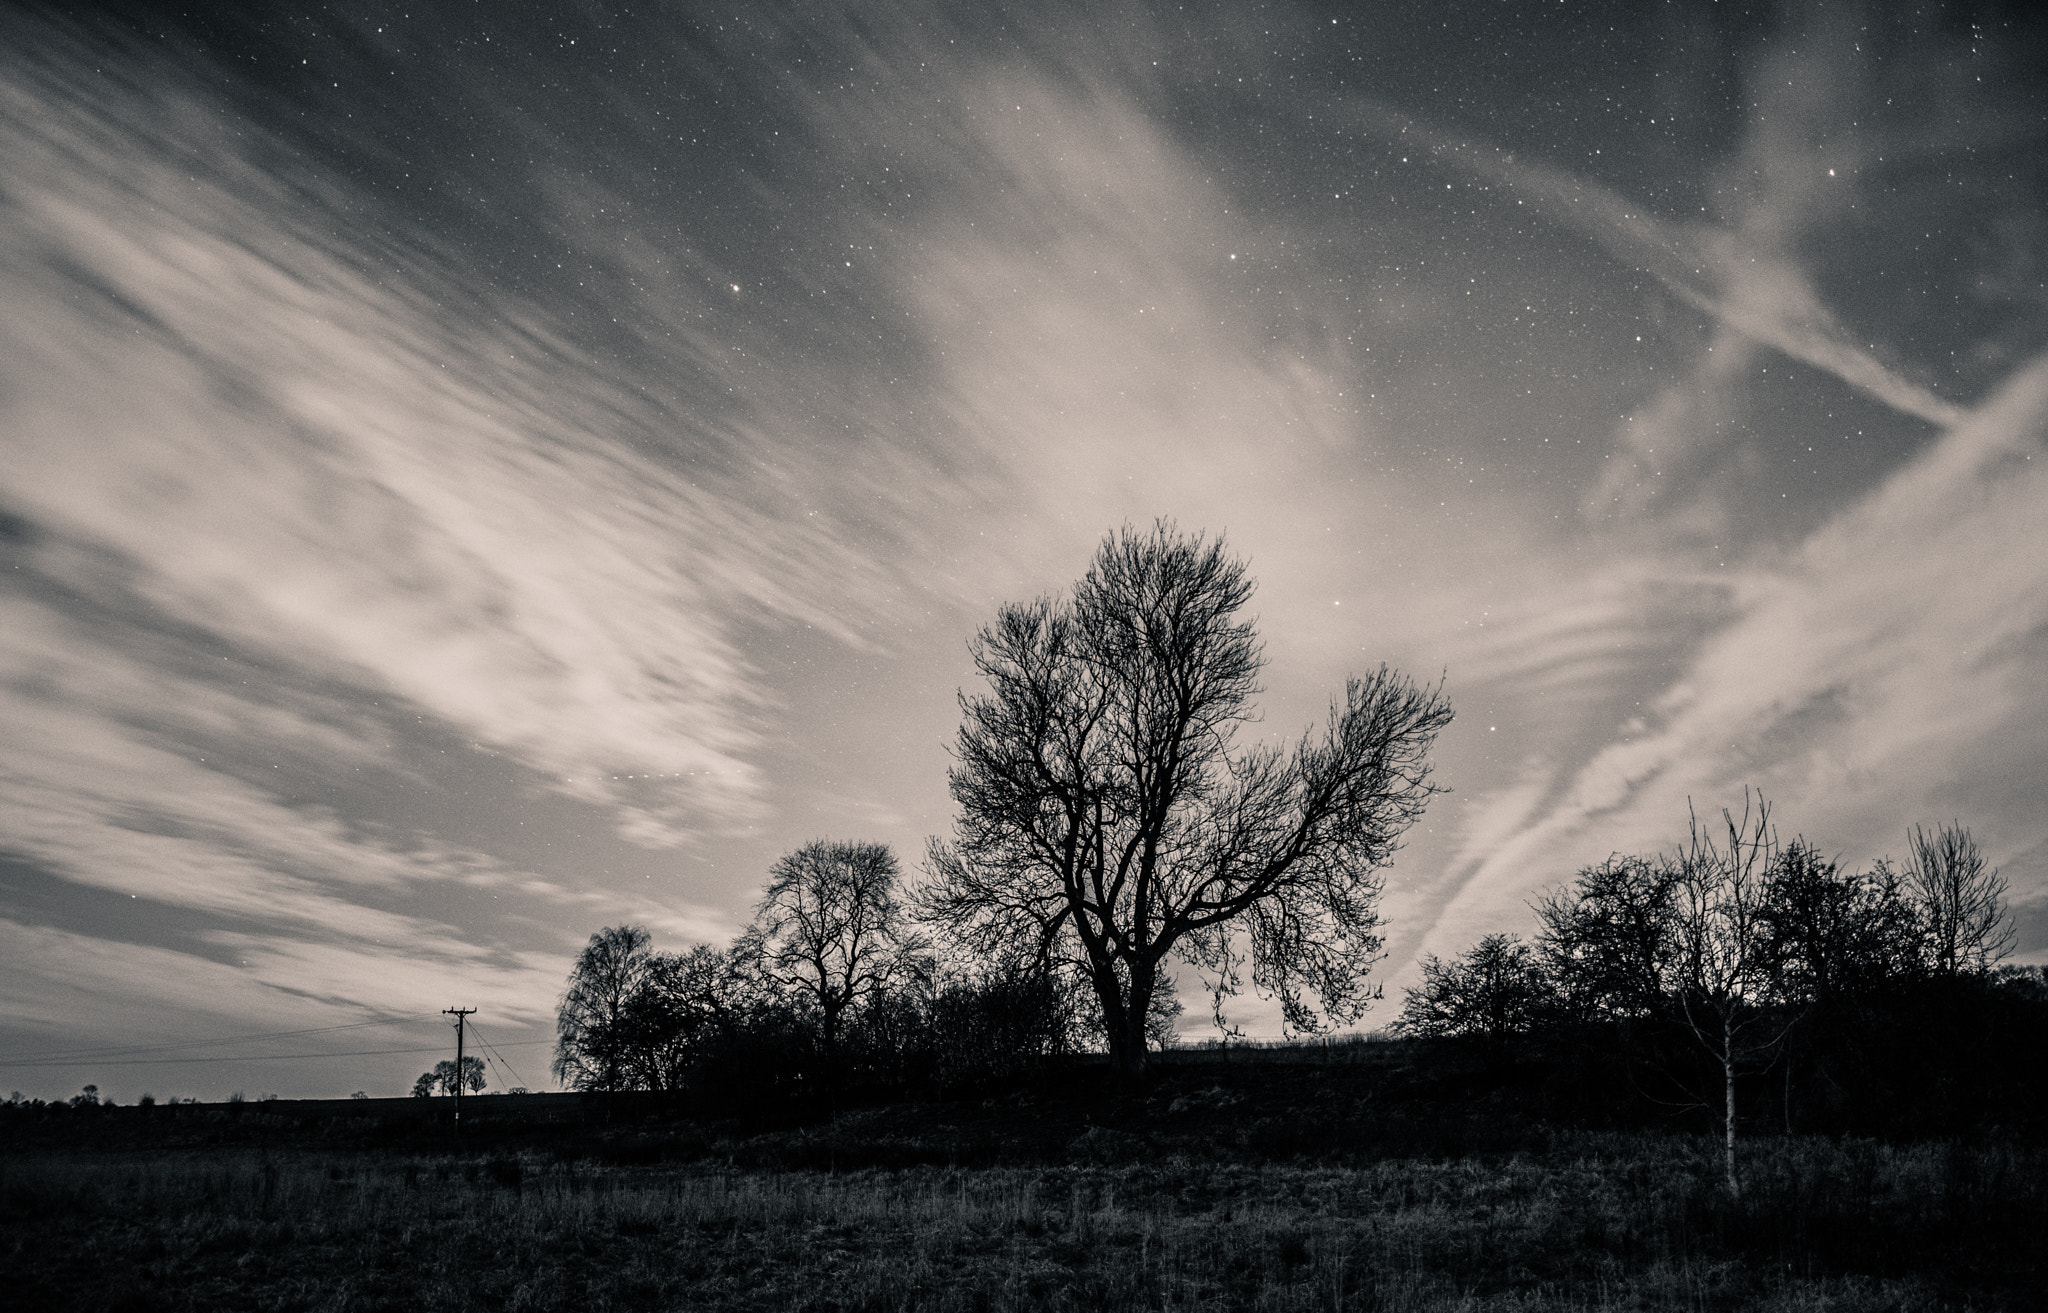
461, 1015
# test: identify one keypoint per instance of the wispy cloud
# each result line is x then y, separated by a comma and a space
1884, 673
1867, 675
1745, 276
422, 492
276, 493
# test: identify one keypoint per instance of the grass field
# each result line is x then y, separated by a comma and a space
1590, 1222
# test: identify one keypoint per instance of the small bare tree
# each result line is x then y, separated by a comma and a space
1725, 967
1960, 902
830, 929
1105, 820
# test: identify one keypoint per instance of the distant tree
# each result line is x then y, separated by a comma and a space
1497, 989
1964, 926
1105, 820
1725, 971
2030, 982
473, 1075
441, 1080
360, 1094
1842, 945
89, 1097
999, 1024
593, 1040
1610, 939
830, 929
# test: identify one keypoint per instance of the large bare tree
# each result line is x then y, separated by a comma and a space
1106, 817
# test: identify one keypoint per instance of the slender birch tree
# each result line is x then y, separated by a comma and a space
1725, 964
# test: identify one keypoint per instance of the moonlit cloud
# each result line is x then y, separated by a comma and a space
1834, 676
285, 503
1876, 676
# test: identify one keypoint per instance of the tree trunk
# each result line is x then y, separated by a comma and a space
1127, 1055
1728, 1092
1124, 1023
831, 1059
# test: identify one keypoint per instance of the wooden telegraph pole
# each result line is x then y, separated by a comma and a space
461, 1015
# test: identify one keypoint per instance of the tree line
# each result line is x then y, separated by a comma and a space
1109, 824
1732, 955
1112, 829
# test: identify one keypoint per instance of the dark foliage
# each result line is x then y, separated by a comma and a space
1498, 989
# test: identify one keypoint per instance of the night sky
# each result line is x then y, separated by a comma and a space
472, 477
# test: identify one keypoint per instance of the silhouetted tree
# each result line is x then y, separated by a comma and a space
1843, 944
593, 1041
2028, 983
829, 929
1495, 990
1610, 939
680, 1003
1834, 935
1000, 1023
441, 1080
1960, 900
1105, 821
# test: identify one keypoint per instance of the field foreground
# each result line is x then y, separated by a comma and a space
1592, 1222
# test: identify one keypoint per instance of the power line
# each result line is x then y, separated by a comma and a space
492, 1050
495, 1063
36, 1059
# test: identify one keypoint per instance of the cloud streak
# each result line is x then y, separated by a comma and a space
1881, 674
1753, 286
399, 493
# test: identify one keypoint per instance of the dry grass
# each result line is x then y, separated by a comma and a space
1595, 1223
